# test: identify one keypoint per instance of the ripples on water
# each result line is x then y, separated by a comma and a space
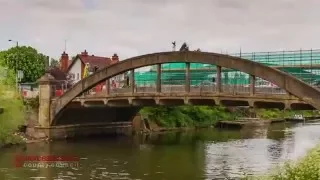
205, 154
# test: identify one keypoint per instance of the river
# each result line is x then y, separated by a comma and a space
202, 154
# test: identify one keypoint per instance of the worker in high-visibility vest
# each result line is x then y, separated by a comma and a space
86, 74
86, 71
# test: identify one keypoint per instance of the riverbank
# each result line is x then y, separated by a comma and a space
186, 117
305, 168
12, 116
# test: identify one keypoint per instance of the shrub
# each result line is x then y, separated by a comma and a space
186, 116
306, 168
13, 115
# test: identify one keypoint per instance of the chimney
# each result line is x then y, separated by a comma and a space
64, 61
84, 53
115, 58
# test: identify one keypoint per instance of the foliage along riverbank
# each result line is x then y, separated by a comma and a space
205, 116
306, 168
186, 116
12, 116
280, 114
32, 64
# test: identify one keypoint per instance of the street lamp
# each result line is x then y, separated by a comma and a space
19, 73
17, 43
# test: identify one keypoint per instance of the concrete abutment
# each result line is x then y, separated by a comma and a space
80, 119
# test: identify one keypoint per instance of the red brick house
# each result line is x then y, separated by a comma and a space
75, 67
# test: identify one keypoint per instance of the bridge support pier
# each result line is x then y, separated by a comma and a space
45, 93
252, 109
252, 112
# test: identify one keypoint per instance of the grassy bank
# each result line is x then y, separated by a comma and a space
306, 168
12, 117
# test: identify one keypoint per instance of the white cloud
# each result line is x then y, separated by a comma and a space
137, 27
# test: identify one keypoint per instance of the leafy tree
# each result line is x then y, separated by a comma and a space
24, 58
54, 63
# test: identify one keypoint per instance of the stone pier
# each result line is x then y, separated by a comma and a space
45, 94
74, 121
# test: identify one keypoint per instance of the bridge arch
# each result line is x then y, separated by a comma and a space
285, 81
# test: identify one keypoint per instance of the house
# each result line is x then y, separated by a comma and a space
76, 67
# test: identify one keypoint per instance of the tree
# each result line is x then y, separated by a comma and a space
26, 59
54, 63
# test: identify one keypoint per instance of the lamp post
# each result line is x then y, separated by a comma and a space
16, 69
17, 43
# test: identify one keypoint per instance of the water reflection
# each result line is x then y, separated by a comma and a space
177, 155
260, 153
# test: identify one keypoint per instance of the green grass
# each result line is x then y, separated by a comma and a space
13, 115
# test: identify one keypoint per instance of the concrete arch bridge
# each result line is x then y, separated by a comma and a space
76, 108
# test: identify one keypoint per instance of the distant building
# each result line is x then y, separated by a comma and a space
75, 68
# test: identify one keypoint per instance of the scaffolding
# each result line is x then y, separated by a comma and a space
303, 64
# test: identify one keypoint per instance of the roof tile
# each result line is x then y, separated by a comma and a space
93, 61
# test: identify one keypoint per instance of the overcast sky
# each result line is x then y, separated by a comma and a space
135, 27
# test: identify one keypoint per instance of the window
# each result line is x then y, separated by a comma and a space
77, 76
72, 76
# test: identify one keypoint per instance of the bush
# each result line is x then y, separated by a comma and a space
13, 115
186, 116
276, 113
307, 168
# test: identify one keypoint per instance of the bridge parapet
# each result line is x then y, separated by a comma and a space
226, 89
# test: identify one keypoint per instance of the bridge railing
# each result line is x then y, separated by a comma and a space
145, 87
235, 89
175, 86
174, 89
269, 90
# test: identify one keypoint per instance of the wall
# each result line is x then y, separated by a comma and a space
76, 69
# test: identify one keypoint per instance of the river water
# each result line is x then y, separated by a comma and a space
202, 154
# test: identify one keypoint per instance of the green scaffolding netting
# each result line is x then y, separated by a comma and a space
287, 61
